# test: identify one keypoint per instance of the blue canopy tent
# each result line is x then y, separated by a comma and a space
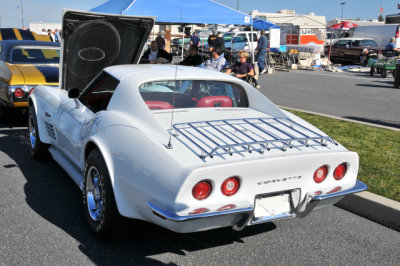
177, 12
260, 24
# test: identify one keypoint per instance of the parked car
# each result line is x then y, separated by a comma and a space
23, 66
351, 49
185, 148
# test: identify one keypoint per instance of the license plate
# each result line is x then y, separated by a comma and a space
272, 207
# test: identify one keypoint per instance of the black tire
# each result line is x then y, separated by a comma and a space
2, 112
102, 215
38, 149
383, 73
397, 77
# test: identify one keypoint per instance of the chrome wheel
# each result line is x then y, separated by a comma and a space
94, 194
32, 132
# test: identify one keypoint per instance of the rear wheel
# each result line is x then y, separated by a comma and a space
2, 111
372, 71
38, 149
383, 73
99, 203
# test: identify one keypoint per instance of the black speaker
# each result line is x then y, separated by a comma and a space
92, 46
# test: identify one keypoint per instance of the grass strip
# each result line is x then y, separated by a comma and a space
379, 151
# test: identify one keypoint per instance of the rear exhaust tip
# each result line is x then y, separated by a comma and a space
246, 217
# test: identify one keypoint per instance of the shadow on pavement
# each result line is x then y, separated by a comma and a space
388, 85
55, 197
379, 122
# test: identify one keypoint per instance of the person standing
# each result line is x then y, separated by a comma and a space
194, 40
220, 42
211, 39
50, 33
57, 36
160, 41
261, 51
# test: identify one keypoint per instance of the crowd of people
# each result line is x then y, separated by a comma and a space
242, 69
55, 36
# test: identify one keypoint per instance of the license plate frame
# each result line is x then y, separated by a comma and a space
270, 207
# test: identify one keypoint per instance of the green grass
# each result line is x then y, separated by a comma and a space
379, 151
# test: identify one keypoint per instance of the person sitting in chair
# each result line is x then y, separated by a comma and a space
155, 55
216, 61
194, 59
242, 69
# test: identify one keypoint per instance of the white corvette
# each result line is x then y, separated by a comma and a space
181, 147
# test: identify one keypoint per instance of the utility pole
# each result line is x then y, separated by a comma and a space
342, 3
22, 15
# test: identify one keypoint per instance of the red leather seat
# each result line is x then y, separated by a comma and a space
215, 101
158, 105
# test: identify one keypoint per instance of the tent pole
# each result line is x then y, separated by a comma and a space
330, 46
183, 40
252, 47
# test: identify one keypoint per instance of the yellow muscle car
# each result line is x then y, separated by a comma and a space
23, 66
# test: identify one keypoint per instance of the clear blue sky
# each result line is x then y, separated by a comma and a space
50, 10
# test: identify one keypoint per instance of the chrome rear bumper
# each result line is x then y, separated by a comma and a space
245, 214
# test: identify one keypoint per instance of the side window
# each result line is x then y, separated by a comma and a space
343, 43
242, 36
97, 96
355, 43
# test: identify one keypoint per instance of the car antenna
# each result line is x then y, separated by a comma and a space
169, 146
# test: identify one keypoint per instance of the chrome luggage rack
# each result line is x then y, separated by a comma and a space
219, 137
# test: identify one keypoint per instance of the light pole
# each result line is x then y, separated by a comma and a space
237, 5
342, 3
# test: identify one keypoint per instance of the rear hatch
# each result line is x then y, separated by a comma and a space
93, 41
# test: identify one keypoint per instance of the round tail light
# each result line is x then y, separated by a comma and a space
340, 171
230, 186
19, 93
202, 190
320, 174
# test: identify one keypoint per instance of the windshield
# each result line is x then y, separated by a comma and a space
35, 55
192, 94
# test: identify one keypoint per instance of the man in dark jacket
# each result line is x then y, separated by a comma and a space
211, 39
261, 52
194, 59
220, 42
154, 55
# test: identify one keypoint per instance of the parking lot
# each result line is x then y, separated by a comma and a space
43, 222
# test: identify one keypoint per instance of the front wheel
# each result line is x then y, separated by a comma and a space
38, 149
99, 203
383, 74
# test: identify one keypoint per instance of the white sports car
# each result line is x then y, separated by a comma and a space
185, 148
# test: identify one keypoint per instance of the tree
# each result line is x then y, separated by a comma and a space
380, 18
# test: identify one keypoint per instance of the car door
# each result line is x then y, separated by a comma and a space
340, 49
77, 116
354, 51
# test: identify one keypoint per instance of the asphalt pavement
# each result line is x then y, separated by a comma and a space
355, 96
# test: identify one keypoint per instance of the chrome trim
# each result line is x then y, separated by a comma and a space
314, 201
264, 219
358, 187
168, 215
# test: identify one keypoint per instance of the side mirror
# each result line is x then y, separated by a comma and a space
73, 93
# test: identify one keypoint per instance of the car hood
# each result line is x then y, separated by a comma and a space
93, 41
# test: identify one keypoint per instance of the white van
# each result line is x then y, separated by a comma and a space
381, 34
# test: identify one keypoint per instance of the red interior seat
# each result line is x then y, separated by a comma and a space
215, 101
158, 105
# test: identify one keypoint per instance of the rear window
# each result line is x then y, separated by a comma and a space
192, 94
35, 55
